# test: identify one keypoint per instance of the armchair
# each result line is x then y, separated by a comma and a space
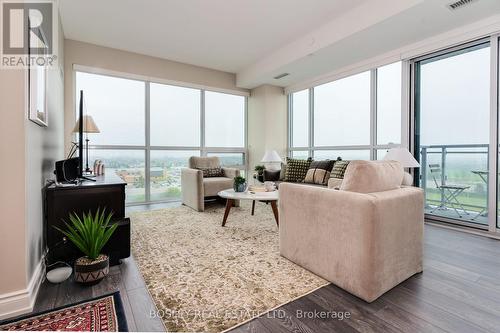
365, 238
195, 188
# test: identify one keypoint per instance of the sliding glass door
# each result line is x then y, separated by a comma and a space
452, 132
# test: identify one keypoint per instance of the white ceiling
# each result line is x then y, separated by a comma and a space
258, 39
221, 34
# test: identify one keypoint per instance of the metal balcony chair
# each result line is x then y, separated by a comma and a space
449, 193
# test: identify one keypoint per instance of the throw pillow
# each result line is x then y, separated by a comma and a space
212, 172
319, 172
296, 169
339, 169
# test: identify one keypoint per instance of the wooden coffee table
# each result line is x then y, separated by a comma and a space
230, 196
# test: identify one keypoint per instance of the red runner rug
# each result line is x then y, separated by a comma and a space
102, 314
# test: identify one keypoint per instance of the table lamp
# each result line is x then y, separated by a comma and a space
403, 156
89, 126
271, 157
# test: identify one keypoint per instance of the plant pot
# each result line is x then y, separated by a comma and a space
88, 271
240, 187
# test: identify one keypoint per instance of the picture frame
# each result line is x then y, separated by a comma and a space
37, 92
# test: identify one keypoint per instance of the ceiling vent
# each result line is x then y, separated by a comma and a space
459, 4
281, 76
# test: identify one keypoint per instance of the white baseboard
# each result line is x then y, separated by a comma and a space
22, 301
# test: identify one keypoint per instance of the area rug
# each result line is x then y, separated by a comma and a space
207, 278
101, 314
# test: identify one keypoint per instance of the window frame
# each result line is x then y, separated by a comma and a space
147, 147
373, 146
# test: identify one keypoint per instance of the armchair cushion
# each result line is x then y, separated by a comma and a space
372, 176
212, 172
230, 172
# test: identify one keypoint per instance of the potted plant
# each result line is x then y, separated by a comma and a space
90, 234
260, 172
240, 184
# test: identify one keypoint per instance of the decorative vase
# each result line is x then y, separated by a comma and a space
240, 187
88, 271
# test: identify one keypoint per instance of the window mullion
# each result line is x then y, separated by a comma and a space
147, 167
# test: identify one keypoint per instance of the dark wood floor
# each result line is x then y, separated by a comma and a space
126, 278
459, 291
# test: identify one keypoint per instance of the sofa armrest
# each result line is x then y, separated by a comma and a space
192, 188
363, 243
231, 172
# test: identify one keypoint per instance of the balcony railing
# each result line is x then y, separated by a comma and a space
457, 185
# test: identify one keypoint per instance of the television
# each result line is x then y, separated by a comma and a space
80, 136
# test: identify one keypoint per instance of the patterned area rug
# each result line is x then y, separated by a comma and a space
204, 277
102, 314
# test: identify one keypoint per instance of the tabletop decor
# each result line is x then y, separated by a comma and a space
240, 184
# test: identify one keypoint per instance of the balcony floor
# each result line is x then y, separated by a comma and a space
450, 213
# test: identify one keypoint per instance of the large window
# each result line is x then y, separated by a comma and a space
224, 120
175, 116
182, 122
356, 117
342, 112
453, 122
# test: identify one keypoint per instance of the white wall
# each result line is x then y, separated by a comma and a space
28, 154
267, 123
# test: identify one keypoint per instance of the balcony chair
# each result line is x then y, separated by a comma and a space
449, 193
196, 188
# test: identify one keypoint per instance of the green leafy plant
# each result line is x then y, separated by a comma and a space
239, 180
90, 233
260, 169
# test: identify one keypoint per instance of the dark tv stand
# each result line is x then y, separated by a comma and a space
107, 191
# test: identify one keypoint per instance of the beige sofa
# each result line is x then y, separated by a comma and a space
365, 238
195, 188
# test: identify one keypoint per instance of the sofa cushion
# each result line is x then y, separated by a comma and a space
338, 169
319, 172
212, 172
372, 176
213, 185
296, 169
334, 183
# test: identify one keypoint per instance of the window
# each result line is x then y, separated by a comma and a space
129, 165
117, 106
300, 119
175, 116
453, 121
230, 159
346, 114
342, 112
389, 104
343, 154
180, 125
165, 172
224, 120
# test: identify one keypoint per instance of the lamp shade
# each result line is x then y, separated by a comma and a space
271, 156
403, 156
89, 125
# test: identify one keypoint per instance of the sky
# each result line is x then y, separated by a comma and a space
118, 108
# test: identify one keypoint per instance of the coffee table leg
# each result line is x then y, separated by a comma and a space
229, 204
253, 206
275, 211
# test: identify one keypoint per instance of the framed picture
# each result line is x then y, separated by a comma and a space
37, 92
